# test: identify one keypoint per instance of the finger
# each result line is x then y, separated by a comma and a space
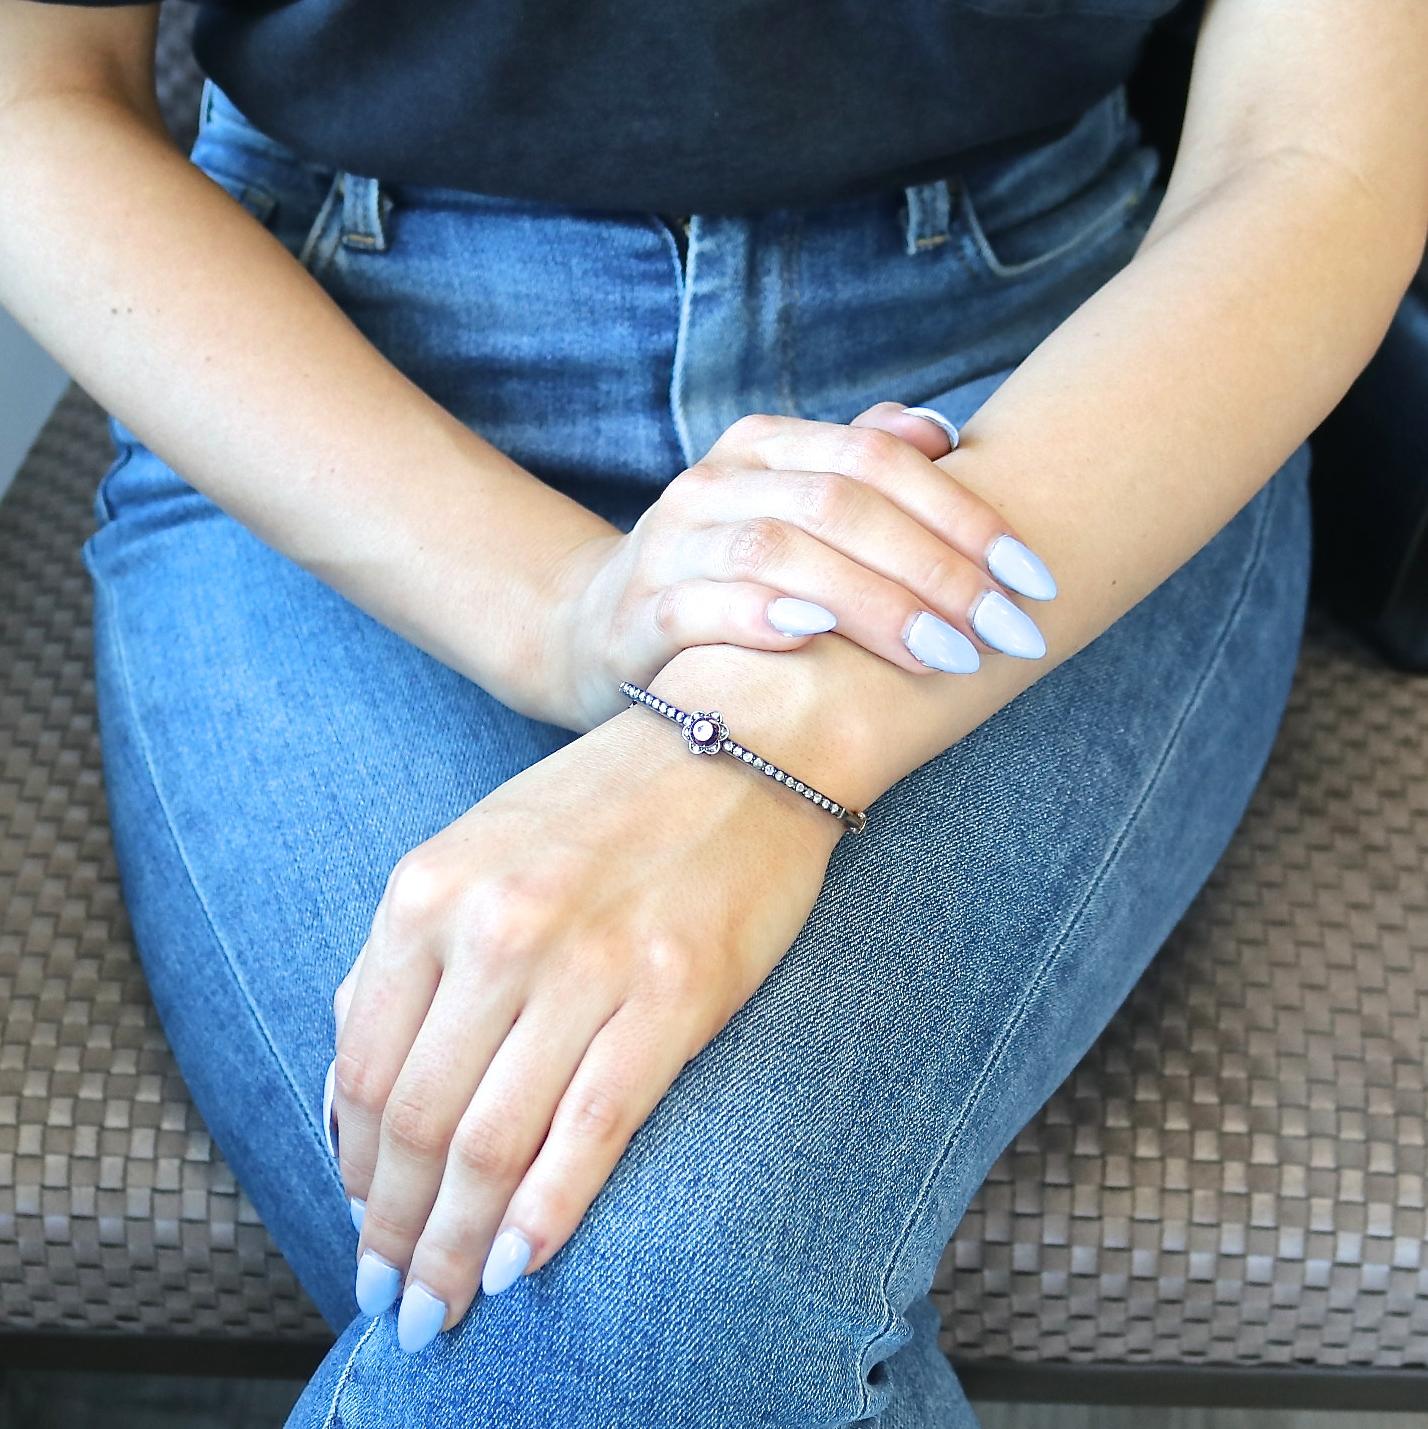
493, 1146
870, 453
857, 520
933, 434
701, 611
393, 992
876, 612
631, 1064
341, 1000
469, 1019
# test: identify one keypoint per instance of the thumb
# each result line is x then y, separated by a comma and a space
929, 431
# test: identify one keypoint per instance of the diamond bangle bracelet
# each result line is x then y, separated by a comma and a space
706, 733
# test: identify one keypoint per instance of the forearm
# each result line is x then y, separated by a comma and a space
1121, 445
195, 326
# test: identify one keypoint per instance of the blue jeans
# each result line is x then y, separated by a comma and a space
763, 1252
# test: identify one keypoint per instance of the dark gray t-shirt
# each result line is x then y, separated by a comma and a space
670, 106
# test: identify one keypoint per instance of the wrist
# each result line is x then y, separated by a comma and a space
576, 688
796, 708
721, 784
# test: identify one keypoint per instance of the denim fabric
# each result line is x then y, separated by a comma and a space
763, 1251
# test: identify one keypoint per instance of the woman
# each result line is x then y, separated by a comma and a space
509, 354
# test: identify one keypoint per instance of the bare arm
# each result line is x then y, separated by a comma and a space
184, 317
1292, 224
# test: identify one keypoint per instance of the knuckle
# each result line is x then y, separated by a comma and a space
754, 545
667, 607
416, 889
822, 498
868, 604
753, 427
597, 1112
693, 481
358, 1084
389, 1223
673, 971
868, 448
409, 1125
943, 571
505, 915
485, 1151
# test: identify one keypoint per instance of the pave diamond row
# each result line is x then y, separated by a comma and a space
853, 819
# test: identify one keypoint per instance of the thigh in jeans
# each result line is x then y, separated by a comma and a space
270, 751
765, 1244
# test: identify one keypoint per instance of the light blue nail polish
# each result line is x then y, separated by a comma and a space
420, 1319
377, 1283
941, 646
928, 414
799, 617
358, 1211
329, 1127
1007, 627
509, 1255
1013, 564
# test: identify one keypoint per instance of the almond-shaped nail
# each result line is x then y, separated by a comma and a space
420, 1319
941, 646
938, 420
358, 1211
1007, 627
790, 616
510, 1254
1015, 565
378, 1283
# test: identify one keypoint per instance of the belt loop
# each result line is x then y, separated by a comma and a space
364, 210
929, 214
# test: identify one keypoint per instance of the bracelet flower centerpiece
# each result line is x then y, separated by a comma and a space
705, 732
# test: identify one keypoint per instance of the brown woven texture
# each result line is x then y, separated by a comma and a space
1235, 1171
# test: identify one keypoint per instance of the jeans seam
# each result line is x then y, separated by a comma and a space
994, 1061
331, 1421
141, 743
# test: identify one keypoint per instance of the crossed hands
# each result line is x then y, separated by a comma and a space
538, 973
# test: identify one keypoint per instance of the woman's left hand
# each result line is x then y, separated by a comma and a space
535, 978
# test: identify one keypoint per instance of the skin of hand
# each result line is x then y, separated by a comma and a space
512, 1021
855, 522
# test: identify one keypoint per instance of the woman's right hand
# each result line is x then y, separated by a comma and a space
785, 529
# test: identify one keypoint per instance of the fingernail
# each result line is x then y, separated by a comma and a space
941, 646
799, 617
358, 1211
420, 1318
377, 1283
1015, 565
509, 1255
937, 419
1007, 627
329, 1128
